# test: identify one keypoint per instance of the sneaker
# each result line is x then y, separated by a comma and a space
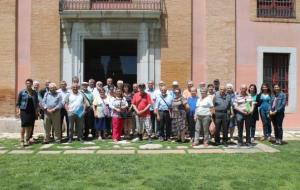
279, 142
26, 143
100, 138
252, 140
269, 139
140, 137
248, 145
136, 139
22, 144
263, 138
225, 144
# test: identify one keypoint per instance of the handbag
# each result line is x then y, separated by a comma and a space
122, 115
212, 128
106, 109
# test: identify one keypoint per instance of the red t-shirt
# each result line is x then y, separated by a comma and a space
141, 102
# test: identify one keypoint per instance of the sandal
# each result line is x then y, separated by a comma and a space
22, 144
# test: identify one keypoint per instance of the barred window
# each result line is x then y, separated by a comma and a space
276, 8
276, 70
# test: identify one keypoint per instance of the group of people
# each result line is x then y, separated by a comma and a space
140, 111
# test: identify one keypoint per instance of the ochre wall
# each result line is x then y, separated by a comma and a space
7, 57
45, 40
176, 37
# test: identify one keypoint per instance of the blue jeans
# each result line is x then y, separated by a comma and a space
266, 121
252, 126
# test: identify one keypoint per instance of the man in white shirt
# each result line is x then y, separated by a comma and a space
75, 106
63, 113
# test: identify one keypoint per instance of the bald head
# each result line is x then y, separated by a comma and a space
52, 87
243, 89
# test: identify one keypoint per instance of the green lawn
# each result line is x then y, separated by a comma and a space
206, 171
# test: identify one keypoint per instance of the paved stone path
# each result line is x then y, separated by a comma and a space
287, 135
143, 149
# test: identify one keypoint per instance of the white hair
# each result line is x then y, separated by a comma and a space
229, 85
52, 84
36, 82
98, 83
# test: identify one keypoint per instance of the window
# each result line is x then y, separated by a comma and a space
276, 70
276, 8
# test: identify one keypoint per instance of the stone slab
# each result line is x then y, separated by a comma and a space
79, 152
21, 152
151, 146
90, 148
115, 152
205, 147
205, 151
3, 151
46, 146
182, 147
65, 147
89, 143
266, 148
50, 152
245, 151
161, 152
129, 148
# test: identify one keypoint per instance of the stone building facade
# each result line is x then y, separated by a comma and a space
168, 40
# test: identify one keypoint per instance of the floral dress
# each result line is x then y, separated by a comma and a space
178, 115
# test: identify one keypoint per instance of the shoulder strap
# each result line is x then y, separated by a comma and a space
164, 101
86, 98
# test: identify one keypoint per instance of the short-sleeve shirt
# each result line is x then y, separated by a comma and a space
221, 103
117, 103
163, 103
75, 103
203, 106
100, 106
152, 94
64, 94
186, 93
192, 105
141, 101
243, 102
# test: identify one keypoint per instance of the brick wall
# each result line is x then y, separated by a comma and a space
45, 40
7, 57
176, 42
220, 40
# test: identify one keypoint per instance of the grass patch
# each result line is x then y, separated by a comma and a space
207, 171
